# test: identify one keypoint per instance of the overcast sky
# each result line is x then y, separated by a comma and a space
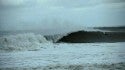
55, 14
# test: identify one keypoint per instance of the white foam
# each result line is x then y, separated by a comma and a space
27, 41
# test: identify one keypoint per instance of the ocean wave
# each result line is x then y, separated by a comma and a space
26, 41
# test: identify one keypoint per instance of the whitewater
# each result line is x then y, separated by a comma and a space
31, 51
28, 41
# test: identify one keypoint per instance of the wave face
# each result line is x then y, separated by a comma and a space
54, 38
27, 41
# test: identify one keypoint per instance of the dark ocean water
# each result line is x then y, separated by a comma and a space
45, 32
4, 33
62, 31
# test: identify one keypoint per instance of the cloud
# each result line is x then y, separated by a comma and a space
57, 3
11, 2
62, 13
75, 2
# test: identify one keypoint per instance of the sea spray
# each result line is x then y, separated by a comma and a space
27, 41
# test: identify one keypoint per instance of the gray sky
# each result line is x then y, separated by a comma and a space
55, 14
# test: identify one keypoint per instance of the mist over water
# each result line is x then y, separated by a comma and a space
42, 15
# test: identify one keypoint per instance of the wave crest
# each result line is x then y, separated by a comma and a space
27, 41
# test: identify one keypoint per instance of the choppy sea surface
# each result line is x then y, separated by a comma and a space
48, 32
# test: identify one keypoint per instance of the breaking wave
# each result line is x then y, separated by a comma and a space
27, 41
54, 38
